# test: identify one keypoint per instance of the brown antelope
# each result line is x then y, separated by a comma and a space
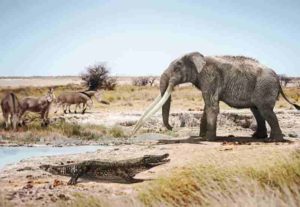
66, 99
91, 94
38, 105
10, 106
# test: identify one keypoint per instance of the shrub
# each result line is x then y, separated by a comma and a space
110, 84
95, 76
116, 131
152, 80
284, 80
143, 81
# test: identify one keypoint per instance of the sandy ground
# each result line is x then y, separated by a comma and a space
38, 81
25, 184
50, 81
230, 122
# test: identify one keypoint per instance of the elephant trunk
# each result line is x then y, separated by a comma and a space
164, 83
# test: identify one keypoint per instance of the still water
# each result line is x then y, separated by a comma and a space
11, 155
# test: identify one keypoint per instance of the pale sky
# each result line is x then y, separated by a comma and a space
63, 37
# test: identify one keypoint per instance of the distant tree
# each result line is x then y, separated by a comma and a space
152, 80
143, 81
284, 80
298, 84
140, 81
110, 84
96, 76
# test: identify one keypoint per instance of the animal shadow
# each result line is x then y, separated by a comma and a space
224, 139
112, 180
189, 140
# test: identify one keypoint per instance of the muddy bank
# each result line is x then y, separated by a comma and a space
230, 123
26, 184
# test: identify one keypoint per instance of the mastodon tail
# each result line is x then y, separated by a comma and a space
284, 96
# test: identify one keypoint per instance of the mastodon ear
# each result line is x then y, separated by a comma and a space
198, 60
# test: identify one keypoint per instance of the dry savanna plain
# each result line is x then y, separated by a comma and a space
234, 170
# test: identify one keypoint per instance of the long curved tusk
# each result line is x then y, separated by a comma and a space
157, 99
154, 109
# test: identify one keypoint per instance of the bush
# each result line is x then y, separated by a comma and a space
284, 80
152, 80
116, 132
95, 76
143, 81
110, 84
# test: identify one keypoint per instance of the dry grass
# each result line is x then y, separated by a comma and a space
4, 202
127, 97
271, 179
40, 91
33, 132
81, 200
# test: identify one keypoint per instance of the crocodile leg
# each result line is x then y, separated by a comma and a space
81, 170
73, 179
128, 176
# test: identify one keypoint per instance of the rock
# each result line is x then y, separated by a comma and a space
245, 123
227, 148
63, 197
25, 168
57, 183
53, 199
128, 123
293, 134
28, 186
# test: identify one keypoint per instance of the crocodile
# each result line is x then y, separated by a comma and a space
125, 169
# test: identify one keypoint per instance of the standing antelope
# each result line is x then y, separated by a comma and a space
10, 106
66, 99
39, 105
91, 94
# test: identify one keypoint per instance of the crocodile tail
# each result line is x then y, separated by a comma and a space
284, 96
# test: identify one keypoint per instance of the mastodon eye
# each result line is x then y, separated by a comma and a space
178, 65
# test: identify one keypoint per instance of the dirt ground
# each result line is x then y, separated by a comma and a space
14, 82
24, 184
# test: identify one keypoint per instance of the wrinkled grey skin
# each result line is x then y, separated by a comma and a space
10, 106
238, 81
